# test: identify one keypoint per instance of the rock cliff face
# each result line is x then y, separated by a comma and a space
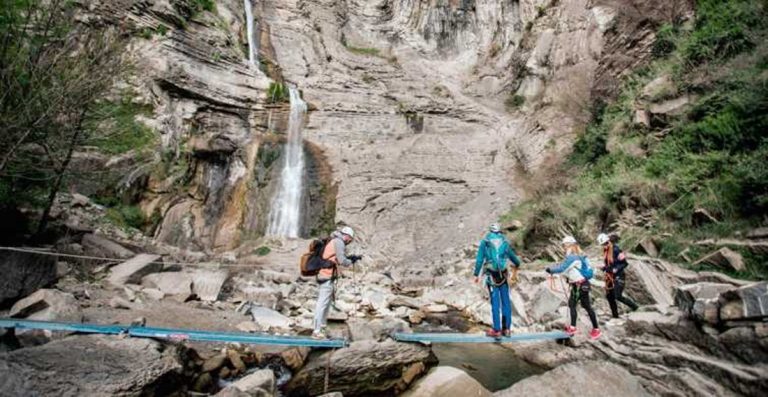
422, 113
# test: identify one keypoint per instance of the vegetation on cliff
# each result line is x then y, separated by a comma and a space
684, 139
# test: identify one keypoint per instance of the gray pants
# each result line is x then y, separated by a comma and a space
324, 297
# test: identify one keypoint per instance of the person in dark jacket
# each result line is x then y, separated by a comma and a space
615, 262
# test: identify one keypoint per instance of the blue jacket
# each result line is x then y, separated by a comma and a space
619, 262
484, 254
570, 267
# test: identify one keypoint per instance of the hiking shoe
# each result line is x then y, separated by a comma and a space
570, 330
506, 332
492, 333
319, 335
595, 333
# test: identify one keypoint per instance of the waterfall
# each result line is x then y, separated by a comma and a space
285, 212
253, 42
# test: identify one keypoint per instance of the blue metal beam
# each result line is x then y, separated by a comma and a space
476, 338
173, 333
62, 326
239, 337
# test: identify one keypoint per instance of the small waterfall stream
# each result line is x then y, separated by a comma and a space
253, 42
285, 211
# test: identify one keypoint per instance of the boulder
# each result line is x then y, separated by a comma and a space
660, 87
405, 301
133, 270
687, 295
258, 384
153, 293
45, 305
176, 284
724, 258
671, 107
758, 233
745, 303
207, 284
295, 357
95, 245
48, 305
363, 368
24, 274
378, 329
648, 246
275, 277
643, 117
93, 365
268, 318
701, 216
261, 296
436, 308
586, 378
545, 301
447, 382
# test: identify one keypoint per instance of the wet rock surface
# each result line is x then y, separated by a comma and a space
89, 365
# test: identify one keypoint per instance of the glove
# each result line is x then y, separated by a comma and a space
548, 270
355, 258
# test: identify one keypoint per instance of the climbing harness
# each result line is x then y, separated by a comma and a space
610, 281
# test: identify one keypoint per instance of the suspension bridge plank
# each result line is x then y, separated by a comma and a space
476, 338
173, 333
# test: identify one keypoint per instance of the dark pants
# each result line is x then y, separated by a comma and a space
616, 294
580, 293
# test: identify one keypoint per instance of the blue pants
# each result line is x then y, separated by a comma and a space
500, 307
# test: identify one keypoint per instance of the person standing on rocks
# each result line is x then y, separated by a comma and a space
615, 262
577, 270
334, 253
492, 256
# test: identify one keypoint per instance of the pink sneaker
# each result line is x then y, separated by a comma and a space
493, 333
570, 330
595, 333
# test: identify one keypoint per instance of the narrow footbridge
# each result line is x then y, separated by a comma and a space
176, 334
477, 338
180, 334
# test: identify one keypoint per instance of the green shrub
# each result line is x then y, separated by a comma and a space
514, 102
277, 93
127, 215
364, 51
262, 251
116, 128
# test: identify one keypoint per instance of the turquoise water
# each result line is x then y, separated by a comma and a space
494, 366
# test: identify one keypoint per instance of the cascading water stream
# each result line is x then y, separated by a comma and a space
285, 212
253, 43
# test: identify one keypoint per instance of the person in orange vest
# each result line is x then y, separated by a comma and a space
334, 253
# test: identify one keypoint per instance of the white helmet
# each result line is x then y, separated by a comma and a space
495, 228
348, 231
603, 238
569, 240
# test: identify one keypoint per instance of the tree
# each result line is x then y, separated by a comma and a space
54, 72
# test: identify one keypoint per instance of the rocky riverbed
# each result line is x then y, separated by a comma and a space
695, 334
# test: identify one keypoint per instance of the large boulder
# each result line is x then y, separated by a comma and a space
258, 384
746, 303
132, 271
724, 258
176, 284
96, 245
585, 378
447, 382
207, 284
700, 301
23, 274
269, 319
91, 365
45, 305
545, 300
363, 368
378, 329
